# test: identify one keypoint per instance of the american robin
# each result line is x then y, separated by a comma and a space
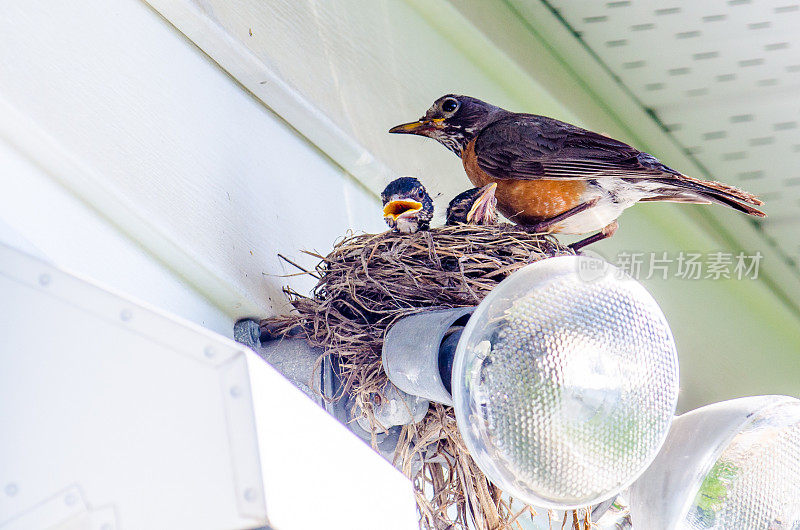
407, 207
556, 177
476, 206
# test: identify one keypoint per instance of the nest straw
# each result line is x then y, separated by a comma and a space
367, 283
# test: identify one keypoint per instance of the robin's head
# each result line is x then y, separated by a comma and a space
453, 121
477, 206
407, 207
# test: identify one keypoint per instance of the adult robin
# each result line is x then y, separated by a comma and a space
556, 177
407, 207
476, 206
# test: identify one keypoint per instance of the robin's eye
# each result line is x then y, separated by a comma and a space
450, 105
419, 194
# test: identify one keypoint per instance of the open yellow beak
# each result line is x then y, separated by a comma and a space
397, 208
418, 127
483, 210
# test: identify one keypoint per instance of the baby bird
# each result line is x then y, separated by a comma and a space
407, 207
476, 206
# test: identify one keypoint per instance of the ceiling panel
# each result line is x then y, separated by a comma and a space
723, 76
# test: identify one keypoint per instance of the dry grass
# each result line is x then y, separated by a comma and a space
366, 284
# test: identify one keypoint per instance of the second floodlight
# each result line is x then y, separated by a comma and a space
726, 466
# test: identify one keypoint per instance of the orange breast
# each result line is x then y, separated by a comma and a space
526, 201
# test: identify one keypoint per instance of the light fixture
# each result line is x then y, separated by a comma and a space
564, 379
731, 465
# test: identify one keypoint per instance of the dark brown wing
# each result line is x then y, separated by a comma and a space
526, 146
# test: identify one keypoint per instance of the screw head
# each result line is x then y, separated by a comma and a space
250, 494
70, 499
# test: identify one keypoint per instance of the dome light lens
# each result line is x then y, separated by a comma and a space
564, 389
755, 481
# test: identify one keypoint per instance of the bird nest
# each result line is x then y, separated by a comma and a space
370, 281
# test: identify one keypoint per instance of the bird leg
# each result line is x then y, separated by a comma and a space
544, 227
605, 233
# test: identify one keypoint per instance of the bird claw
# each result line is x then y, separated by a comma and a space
607, 231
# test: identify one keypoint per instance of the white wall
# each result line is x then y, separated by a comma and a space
40, 217
128, 156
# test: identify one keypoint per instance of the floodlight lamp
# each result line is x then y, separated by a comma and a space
564, 380
726, 466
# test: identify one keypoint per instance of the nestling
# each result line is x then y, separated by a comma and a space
476, 206
407, 207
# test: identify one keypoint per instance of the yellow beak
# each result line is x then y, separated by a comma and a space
395, 209
418, 127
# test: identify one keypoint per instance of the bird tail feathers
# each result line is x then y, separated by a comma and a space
705, 191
